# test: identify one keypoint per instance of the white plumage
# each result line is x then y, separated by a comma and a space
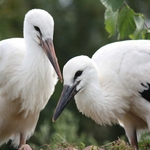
112, 87
27, 77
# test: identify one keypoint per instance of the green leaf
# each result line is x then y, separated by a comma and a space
146, 34
136, 35
112, 4
139, 22
126, 23
111, 21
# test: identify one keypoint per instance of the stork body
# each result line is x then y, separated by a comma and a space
27, 77
112, 86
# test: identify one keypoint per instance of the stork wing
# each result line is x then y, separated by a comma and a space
11, 55
125, 64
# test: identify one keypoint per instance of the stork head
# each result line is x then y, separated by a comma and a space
39, 28
77, 74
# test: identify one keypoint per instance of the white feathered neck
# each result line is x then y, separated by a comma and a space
95, 101
31, 77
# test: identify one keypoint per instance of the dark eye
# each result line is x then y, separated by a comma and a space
37, 29
78, 73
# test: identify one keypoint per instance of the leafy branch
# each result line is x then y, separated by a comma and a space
121, 19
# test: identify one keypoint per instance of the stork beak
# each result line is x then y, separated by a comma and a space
49, 50
67, 93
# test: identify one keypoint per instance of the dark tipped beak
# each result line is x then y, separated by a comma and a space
48, 48
67, 93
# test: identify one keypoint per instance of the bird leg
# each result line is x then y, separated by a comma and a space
23, 145
130, 130
134, 141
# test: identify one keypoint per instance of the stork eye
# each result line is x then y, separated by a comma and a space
38, 29
78, 73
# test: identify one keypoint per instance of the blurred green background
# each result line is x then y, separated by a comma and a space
79, 29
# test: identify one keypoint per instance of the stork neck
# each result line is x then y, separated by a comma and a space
37, 79
35, 58
99, 105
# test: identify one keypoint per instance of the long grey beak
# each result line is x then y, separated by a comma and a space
48, 48
67, 93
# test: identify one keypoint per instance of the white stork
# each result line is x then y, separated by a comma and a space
27, 77
112, 87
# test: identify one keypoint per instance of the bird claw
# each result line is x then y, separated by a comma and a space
25, 147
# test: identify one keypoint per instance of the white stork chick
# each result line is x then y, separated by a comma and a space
112, 87
27, 77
